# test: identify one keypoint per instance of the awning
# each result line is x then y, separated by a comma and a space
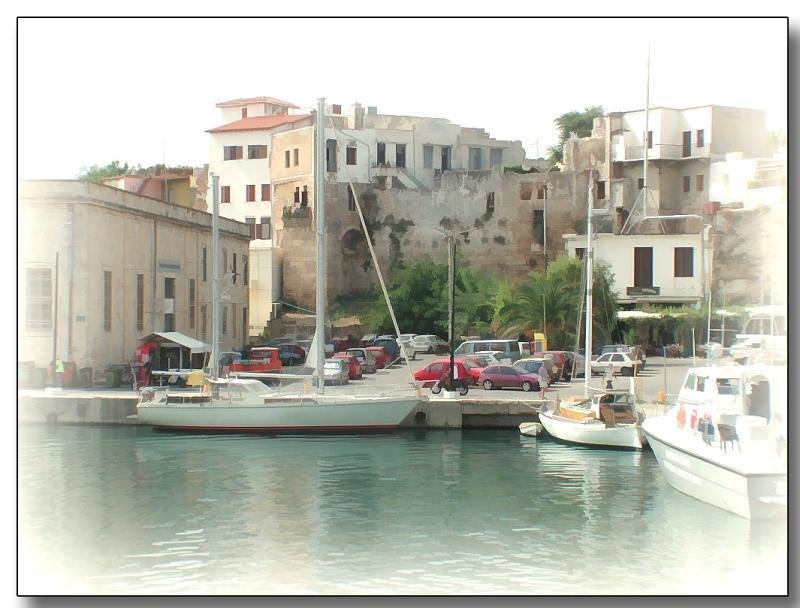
194, 346
637, 314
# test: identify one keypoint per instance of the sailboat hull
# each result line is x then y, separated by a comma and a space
592, 433
313, 415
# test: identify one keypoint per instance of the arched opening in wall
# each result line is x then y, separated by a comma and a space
354, 244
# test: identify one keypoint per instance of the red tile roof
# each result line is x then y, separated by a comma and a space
246, 100
257, 123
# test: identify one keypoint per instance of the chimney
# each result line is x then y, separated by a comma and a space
358, 116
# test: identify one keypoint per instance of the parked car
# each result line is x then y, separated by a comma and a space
365, 358
560, 359
536, 366
407, 341
577, 364
429, 343
258, 359
381, 356
621, 363
388, 344
306, 344
509, 348
475, 364
354, 370
439, 367
291, 354
635, 351
367, 339
508, 376
342, 343
336, 371
495, 357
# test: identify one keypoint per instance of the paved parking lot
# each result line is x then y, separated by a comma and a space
653, 378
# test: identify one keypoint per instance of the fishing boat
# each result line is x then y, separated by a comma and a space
244, 403
609, 418
725, 440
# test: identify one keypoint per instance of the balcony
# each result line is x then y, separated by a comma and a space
657, 151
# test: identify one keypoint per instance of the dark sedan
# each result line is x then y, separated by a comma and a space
508, 376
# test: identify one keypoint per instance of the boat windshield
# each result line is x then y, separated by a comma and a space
728, 386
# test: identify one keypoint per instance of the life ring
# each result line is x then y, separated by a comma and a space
681, 417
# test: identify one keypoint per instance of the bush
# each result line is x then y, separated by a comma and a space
674, 351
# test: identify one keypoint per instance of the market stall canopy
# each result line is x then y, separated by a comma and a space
194, 346
637, 314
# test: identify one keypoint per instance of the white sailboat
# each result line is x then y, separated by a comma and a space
725, 440
607, 418
245, 404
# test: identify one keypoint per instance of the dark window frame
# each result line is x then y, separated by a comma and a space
683, 262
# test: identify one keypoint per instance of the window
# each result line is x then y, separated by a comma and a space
446, 154
691, 382
649, 140
330, 156
192, 310
475, 159
687, 183
336, 108
687, 144
400, 155
701, 139
288, 158
244, 112
539, 190
251, 223
304, 197
351, 155
699, 183
640, 183
233, 320
107, 300
642, 266
684, 261
250, 193
204, 264
224, 261
170, 195
265, 192
38, 300
538, 226
427, 157
245, 271
226, 194
256, 152
203, 321
297, 195
266, 228
224, 319
381, 153
601, 190
351, 199
490, 203
232, 152
233, 270
580, 252
496, 156
296, 156
140, 302
169, 321
525, 191
244, 322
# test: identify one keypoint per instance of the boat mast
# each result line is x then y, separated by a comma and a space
214, 277
319, 212
587, 374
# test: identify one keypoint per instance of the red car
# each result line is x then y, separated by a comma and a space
475, 364
381, 356
438, 368
502, 376
354, 371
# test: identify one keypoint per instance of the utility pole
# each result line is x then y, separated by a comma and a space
451, 277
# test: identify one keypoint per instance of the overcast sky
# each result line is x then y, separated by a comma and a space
143, 91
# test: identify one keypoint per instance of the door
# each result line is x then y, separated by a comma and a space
330, 155
381, 153
642, 266
687, 143
445, 158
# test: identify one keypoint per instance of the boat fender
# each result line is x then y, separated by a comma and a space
681, 416
694, 419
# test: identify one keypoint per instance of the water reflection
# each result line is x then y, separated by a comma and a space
132, 511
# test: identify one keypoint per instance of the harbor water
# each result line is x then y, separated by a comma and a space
126, 510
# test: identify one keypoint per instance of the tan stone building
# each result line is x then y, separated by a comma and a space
128, 265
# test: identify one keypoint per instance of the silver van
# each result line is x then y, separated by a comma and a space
509, 348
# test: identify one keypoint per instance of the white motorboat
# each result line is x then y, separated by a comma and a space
609, 418
245, 404
725, 440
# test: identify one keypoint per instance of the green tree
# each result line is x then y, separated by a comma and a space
579, 123
97, 173
557, 295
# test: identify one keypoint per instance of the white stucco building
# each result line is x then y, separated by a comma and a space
240, 153
748, 182
654, 269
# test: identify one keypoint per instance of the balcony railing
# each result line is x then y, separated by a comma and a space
655, 152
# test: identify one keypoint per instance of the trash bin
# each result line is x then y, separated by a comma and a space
85, 374
113, 376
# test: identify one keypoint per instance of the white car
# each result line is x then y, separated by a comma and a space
406, 342
620, 363
336, 371
495, 357
429, 343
